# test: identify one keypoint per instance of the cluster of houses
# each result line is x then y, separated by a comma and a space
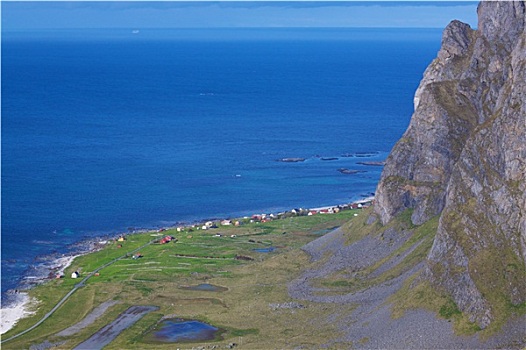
310, 212
262, 218
254, 218
337, 209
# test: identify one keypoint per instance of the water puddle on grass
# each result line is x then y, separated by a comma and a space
206, 287
264, 250
177, 330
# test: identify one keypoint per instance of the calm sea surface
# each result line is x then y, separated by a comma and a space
106, 130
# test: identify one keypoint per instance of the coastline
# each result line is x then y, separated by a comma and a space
49, 266
19, 309
19, 305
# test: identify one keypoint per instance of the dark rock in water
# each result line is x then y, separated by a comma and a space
372, 163
350, 171
329, 158
366, 154
360, 154
291, 160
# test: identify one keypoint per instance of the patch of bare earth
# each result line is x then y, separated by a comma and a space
92, 317
106, 334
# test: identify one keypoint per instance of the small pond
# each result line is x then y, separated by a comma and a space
264, 250
206, 287
177, 330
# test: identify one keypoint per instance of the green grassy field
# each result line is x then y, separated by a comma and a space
160, 275
252, 284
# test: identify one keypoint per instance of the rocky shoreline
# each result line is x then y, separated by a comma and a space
17, 304
48, 266
350, 171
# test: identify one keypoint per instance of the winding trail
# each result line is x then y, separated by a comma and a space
77, 286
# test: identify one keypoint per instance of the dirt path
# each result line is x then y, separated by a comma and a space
106, 334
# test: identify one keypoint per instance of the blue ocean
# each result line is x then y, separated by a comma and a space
107, 131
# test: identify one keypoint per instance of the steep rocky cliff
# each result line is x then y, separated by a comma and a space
463, 158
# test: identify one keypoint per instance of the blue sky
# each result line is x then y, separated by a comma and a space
192, 14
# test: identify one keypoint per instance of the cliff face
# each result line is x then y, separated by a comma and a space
463, 157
